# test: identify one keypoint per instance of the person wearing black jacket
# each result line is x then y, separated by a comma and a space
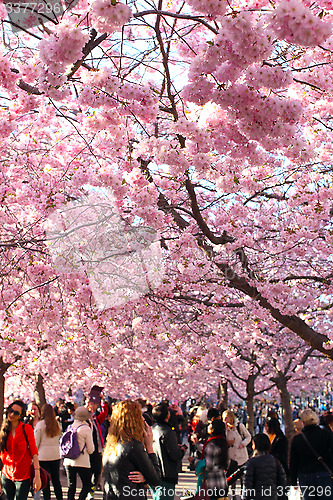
129, 461
168, 452
279, 443
314, 479
327, 423
264, 476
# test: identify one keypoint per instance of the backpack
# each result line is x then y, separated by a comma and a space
69, 444
248, 446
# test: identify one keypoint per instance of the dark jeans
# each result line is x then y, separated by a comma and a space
316, 486
96, 468
85, 476
53, 468
15, 490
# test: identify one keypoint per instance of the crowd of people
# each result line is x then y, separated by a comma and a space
131, 448
268, 466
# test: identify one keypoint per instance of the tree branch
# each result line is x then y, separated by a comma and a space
235, 390
33, 288
234, 373
326, 280
294, 323
217, 240
207, 302
92, 44
176, 15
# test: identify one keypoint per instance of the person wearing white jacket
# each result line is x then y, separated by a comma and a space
238, 437
81, 465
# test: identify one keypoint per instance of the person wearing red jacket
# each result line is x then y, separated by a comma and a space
16, 455
95, 402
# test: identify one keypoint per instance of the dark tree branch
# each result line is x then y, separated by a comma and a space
197, 19
217, 240
91, 45
206, 302
326, 280
32, 288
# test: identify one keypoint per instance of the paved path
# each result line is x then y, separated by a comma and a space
187, 483
185, 487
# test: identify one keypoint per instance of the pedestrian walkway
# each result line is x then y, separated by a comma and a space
185, 487
187, 483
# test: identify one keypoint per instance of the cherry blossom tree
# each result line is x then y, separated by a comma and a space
210, 123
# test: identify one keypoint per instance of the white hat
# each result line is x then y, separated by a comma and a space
309, 417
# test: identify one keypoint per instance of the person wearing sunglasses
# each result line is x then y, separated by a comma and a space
16, 455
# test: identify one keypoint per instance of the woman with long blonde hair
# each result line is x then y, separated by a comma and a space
238, 437
129, 460
47, 435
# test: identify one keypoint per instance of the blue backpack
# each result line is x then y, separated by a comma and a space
69, 444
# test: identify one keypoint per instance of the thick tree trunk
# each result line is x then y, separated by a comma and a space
223, 394
40, 391
250, 402
2, 389
3, 368
281, 383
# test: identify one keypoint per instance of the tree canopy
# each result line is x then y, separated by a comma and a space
166, 188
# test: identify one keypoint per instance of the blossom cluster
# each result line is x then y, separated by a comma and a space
3, 12
267, 76
104, 78
7, 77
63, 47
108, 15
104, 120
52, 85
165, 153
322, 78
198, 91
105, 90
233, 57
243, 40
197, 138
259, 116
296, 23
239, 43
211, 8
7, 125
